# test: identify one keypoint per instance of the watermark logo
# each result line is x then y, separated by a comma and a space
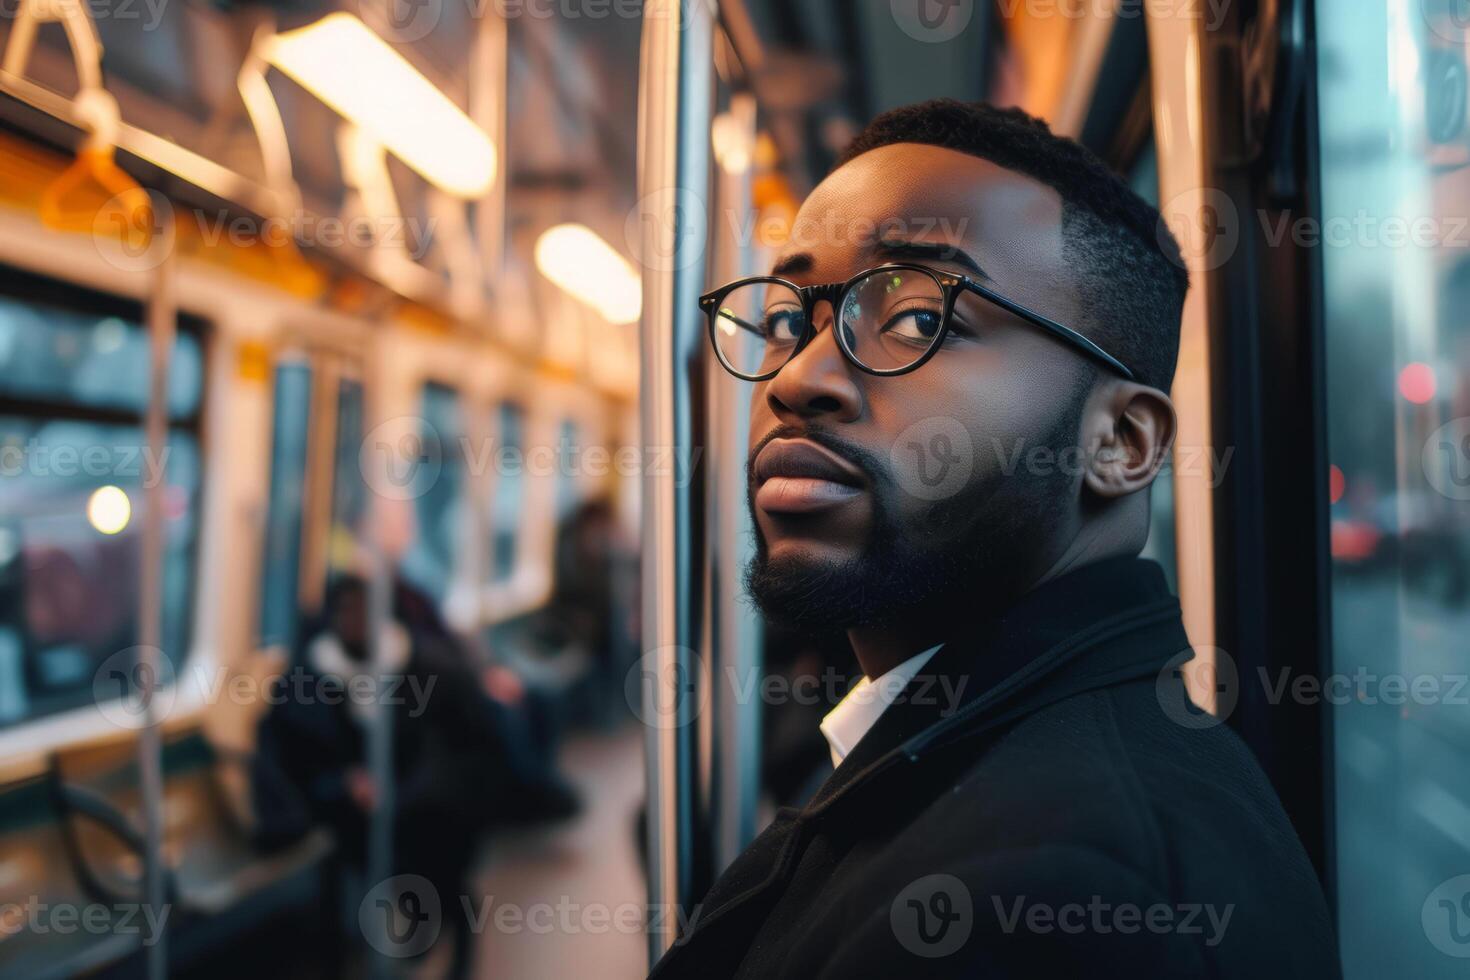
135, 686
1446, 917
403, 21
932, 21
402, 458
1446, 459
1205, 223
663, 688
933, 458
665, 231
1450, 19
933, 916
1209, 676
401, 917
133, 231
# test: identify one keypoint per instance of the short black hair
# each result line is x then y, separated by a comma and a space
1131, 269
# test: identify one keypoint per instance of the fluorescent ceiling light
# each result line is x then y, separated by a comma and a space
342, 62
580, 262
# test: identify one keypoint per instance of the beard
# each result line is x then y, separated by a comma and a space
955, 559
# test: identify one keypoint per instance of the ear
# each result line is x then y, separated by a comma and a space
1128, 429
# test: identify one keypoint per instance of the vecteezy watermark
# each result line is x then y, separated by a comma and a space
666, 230
932, 21
1450, 19
44, 460
1446, 459
1101, 917
135, 687
1445, 917
1363, 686
135, 238
1210, 12
1198, 688
401, 916
1211, 680
130, 689
148, 13
933, 458
403, 458
943, 691
933, 916
663, 687
830, 228
95, 918
1208, 227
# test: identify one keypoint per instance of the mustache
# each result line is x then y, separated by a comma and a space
869, 462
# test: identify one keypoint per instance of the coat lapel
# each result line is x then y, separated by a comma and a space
1105, 623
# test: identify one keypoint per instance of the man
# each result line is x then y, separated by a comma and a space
951, 461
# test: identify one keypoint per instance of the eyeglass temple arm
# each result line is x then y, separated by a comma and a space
1051, 326
743, 323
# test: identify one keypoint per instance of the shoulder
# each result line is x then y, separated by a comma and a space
1100, 829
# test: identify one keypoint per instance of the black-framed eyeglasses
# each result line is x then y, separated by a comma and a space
888, 320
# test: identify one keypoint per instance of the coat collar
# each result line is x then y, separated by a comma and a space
1105, 623
1119, 612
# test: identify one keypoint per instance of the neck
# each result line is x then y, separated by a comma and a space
879, 649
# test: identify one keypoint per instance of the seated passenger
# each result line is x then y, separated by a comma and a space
456, 772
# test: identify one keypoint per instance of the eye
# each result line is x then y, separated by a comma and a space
915, 326
782, 325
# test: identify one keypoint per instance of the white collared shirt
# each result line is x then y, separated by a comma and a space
845, 725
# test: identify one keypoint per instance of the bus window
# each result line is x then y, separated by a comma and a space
507, 502
75, 465
279, 590
349, 489
430, 562
568, 490
1396, 286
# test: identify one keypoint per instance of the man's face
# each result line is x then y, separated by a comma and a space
881, 498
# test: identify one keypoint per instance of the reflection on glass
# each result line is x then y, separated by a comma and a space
1395, 189
279, 606
71, 504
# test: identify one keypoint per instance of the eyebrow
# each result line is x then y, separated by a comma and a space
904, 250
893, 249
793, 264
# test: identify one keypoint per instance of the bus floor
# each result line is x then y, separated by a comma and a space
568, 900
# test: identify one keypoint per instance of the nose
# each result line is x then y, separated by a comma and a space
819, 380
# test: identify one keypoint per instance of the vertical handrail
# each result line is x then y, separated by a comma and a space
735, 632
675, 87
162, 312
379, 748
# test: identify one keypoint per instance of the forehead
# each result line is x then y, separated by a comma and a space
1011, 223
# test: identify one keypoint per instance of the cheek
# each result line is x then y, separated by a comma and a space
949, 429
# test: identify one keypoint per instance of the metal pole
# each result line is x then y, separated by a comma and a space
735, 631
379, 749
162, 312
675, 89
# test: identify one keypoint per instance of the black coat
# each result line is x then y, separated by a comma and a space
1060, 822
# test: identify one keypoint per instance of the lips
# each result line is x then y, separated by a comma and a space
795, 476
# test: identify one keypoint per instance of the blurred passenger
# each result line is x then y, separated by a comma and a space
455, 770
582, 634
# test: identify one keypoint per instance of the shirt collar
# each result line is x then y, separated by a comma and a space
845, 725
